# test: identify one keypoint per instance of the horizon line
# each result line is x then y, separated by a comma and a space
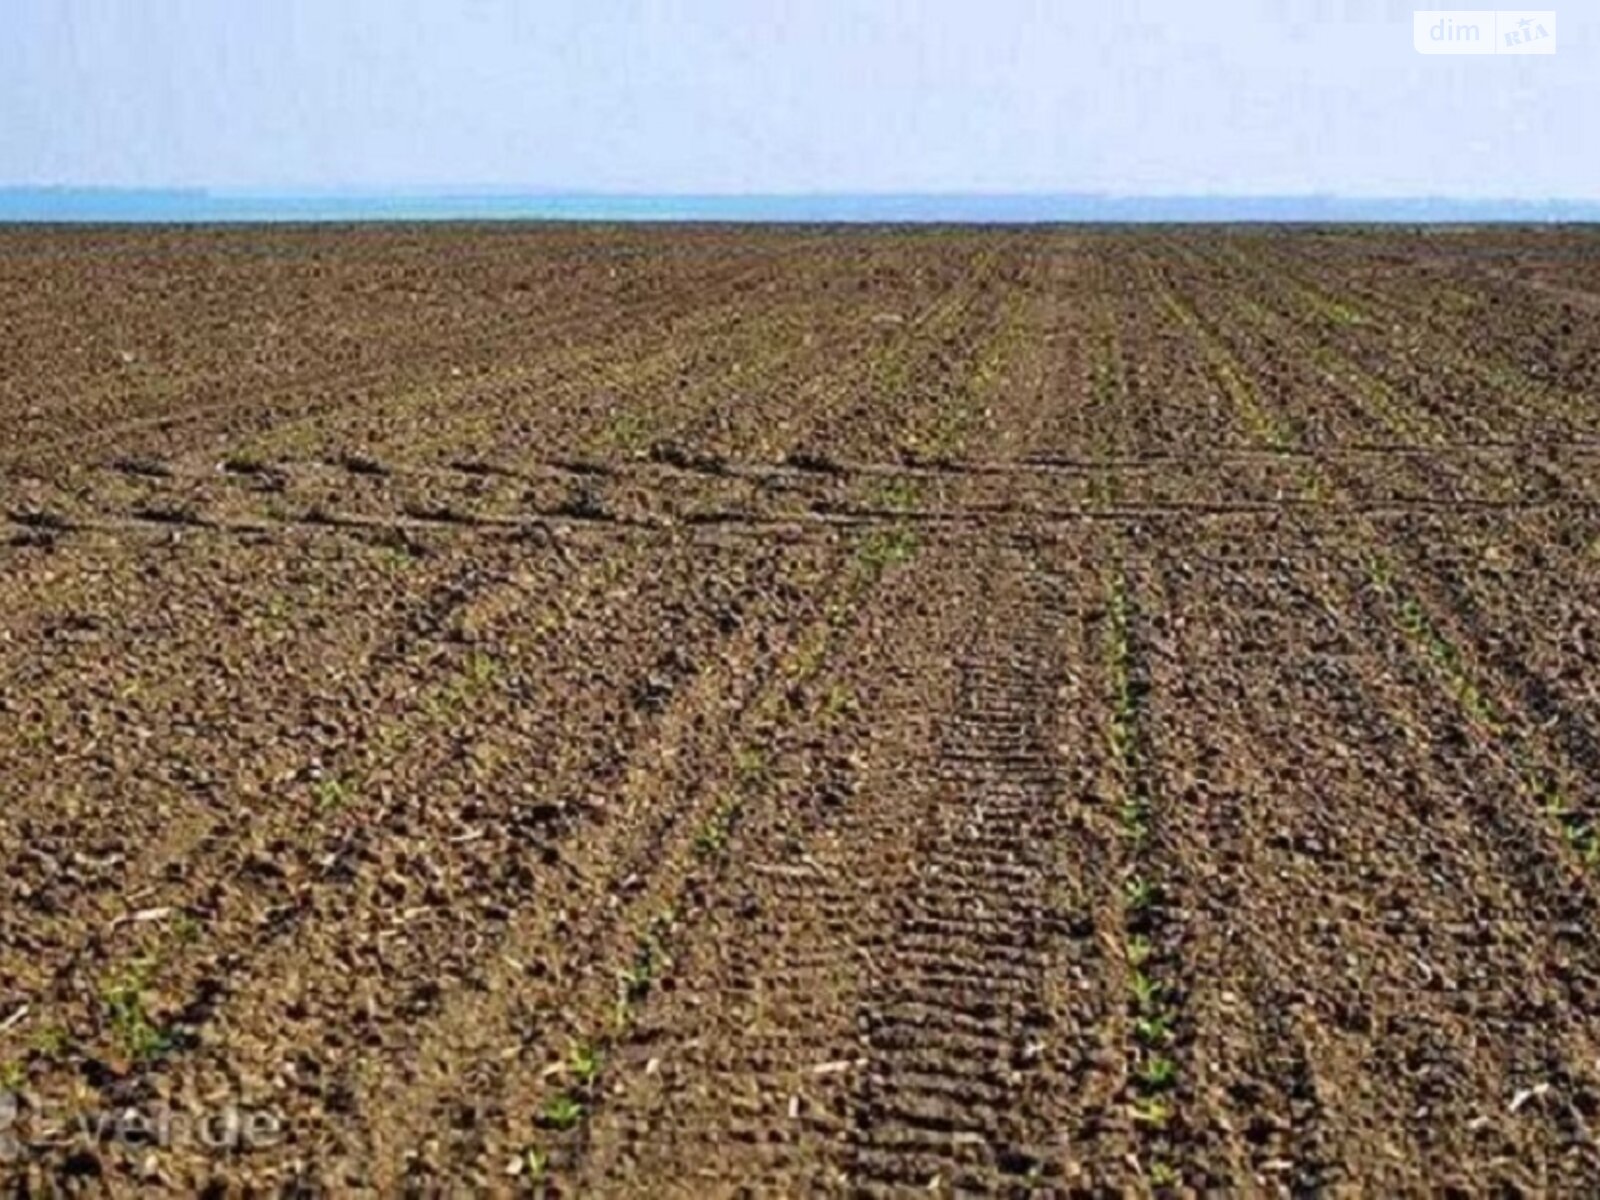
76, 205
494, 190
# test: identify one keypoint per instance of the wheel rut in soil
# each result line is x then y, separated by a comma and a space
960, 1016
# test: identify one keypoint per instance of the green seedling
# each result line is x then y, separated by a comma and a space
839, 702
481, 669
713, 836
709, 842
331, 794
649, 959
397, 557
1151, 1111
186, 929
1140, 893
1122, 732
1153, 1029
1412, 618
1379, 571
1136, 815
562, 1112
128, 1014
1139, 950
899, 495
583, 1063
51, 1041
750, 765
627, 431
808, 658
638, 976
536, 1163
1157, 1073
1583, 838
884, 548
635, 980
1163, 1175
13, 1075
1146, 991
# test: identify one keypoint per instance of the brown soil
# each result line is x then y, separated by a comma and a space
699, 711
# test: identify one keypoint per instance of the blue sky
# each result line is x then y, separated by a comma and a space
1160, 96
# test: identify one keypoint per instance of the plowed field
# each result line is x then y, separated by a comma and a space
693, 711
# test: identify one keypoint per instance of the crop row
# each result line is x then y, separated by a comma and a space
1154, 993
1541, 784
578, 1080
